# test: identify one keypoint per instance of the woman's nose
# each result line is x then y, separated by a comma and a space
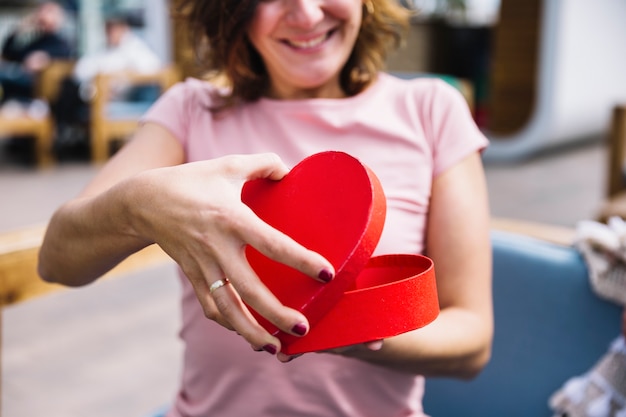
305, 13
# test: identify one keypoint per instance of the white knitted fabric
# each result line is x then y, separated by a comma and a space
603, 247
601, 392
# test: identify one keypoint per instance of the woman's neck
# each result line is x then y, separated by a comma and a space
277, 93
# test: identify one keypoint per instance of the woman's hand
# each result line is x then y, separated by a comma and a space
194, 212
36, 61
146, 194
353, 351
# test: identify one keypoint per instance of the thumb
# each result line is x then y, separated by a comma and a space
265, 165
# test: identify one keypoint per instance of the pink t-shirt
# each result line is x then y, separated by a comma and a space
407, 132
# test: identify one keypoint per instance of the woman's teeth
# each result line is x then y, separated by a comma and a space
311, 43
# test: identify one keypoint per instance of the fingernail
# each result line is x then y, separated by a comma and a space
294, 357
299, 329
271, 349
325, 275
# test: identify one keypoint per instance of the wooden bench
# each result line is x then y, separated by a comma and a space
40, 127
19, 250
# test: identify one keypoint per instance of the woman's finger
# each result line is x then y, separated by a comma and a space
230, 305
222, 302
251, 167
282, 357
255, 294
196, 277
278, 246
354, 350
267, 240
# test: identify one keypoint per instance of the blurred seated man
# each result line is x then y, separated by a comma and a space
124, 51
29, 48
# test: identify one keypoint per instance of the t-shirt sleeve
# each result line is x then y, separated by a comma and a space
171, 111
453, 133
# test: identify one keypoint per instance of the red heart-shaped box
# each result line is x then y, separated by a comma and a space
334, 205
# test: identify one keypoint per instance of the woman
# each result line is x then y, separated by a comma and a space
302, 76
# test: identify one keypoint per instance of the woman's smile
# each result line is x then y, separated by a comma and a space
305, 44
310, 43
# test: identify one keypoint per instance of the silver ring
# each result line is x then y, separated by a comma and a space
218, 284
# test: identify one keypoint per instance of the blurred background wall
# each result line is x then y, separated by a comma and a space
545, 73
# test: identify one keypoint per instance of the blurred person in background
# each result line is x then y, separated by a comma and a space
124, 51
28, 50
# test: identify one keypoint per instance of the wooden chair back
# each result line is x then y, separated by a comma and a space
104, 128
617, 152
50, 79
40, 128
615, 203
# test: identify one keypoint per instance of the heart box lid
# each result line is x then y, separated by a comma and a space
331, 204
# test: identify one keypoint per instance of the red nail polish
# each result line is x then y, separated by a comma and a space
299, 329
271, 349
325, 275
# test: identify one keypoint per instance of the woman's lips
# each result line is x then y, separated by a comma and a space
309, 43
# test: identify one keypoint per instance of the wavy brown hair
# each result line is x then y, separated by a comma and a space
218, 28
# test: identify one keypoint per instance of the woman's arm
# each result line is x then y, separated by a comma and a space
458, 342
193, 211
90, 234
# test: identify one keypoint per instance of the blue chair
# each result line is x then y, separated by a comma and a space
549, 326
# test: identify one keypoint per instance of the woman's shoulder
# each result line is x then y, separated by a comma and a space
427, 89
421, 82
196, 91
184, 106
